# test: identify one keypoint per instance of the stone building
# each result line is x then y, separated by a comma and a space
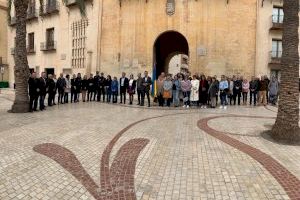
3, 41
217, 36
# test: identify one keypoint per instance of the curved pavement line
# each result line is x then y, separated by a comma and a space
289, 182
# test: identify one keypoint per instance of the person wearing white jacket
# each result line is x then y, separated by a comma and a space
195, 90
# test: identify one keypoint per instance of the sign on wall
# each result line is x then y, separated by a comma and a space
170, 7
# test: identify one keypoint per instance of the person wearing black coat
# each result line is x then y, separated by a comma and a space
97, 86
33, 84
91, 88
61, 85
102, 84
139, 87
124, 82
108, 89
51, 89
84, 87
131, 88
73, 89
146, 84
78, 83
42, 90
253, 86
203, 91
237, 90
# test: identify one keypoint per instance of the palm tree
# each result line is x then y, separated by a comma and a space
21, 69
287, 123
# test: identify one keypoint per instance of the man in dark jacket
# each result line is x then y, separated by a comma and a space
124, 82
97, 86
146, 83
61, 85
253, 86
42, 90
139, 87
102, 83
263, 87
73, 89
33, 84
78, 83
237, 90
51, 89
91, 88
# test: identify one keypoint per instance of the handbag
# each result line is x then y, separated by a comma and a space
166, 95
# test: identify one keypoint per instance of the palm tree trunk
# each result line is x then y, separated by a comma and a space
21, 70
287, 123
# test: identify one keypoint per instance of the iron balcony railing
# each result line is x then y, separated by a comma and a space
30, 49
277, 22
32, 14
275, 57
12, 51
49, 8
13, 21
73, 2
48, 46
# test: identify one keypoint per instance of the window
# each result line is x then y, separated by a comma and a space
31, 7
276, 48
50, 38
30, 41
278, 15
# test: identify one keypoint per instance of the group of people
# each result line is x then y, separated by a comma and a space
202, 91
92, 88
179, 90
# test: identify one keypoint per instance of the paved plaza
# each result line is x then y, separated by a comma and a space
103, 151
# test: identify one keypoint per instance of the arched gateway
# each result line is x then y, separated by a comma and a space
167, 45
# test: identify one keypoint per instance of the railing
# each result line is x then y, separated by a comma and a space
73, 2
13, 21
50, 8
277, 22
48, 46
30, 49
31, 14
275, 57
12, 51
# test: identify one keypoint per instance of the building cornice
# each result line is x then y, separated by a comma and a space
3, 7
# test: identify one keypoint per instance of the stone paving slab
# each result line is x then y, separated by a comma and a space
166, 154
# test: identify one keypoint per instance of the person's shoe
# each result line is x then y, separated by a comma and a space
187, 106
225, 107
221, 107
35, 110
184, 106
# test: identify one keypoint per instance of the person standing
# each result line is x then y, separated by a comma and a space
123, 87
139, 87
176, 89
230, 90
78, 83
108, 89
131, 88
33, 85
195, 90
97, 86
43, 90
245, 89
55, 81
167, 88
203, 91
263, 87
223, 86
51, 89
253, 87
160, 90
84, 87
61, 85
146, 83
186, 91
91, 88
102, 84
73, 89
67, 89
237, 90
114, 89
213, 92
273, 91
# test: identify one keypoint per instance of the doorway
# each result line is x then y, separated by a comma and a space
166, 46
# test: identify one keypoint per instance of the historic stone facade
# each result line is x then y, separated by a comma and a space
219, 37
3, 41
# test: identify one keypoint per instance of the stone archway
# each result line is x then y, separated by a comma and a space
167, 45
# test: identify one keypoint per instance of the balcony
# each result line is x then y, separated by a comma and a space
73, 2
48, 46
277, 22
50, 8
275, 59
12, 51
32, 14
30, 49
13, 21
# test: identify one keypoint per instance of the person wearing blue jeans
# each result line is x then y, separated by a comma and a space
223, 86
176, 88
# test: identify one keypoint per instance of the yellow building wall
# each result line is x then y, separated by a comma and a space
3, 39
